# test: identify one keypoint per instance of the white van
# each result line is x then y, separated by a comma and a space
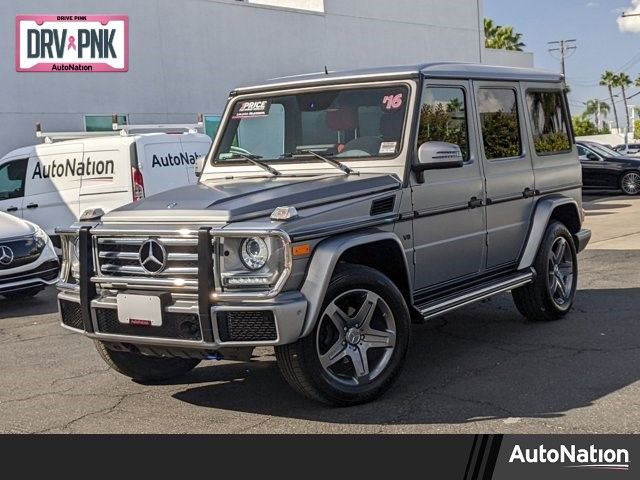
51, 184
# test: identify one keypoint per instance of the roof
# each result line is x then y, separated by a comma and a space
431, 70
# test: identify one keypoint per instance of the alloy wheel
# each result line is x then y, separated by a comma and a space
631, 183
561, 272
356, 337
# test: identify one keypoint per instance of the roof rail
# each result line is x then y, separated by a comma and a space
121, 130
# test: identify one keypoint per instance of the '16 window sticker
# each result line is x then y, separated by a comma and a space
251, 109
392, 101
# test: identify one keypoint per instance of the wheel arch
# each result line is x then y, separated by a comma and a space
563, 209
380, 250
625, 172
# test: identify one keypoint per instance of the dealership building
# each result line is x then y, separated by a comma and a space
76, 62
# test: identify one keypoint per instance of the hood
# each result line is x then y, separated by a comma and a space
11, 227
227, 200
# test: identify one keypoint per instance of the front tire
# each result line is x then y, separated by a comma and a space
359, 342
144, 368
630, 183
550, 296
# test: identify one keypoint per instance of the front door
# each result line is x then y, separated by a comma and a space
449, 223
594, 168
508, 170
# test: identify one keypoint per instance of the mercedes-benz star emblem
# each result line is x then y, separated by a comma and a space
6, 255
153, 256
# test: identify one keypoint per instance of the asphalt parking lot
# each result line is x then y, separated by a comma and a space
482, 369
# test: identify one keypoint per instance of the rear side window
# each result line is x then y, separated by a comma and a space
443, 117
549, 122
498, 108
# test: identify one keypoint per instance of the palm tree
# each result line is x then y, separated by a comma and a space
503, 38
596, 108
608, 80
623, 81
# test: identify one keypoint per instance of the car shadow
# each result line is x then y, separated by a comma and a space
42, 304
481, 362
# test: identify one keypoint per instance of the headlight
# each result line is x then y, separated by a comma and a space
74, 257
41, 239
254, 253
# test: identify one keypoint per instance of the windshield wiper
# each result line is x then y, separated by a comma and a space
330, 161
255, 159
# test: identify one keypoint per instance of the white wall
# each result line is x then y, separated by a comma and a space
492, 56
185, 56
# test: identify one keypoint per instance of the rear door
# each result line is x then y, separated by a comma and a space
194, 146
106, 183
508, 170
13, 175
52, 189
163, 163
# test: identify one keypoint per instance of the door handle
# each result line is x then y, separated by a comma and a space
12, 209
32, 205
475, 202
528, 193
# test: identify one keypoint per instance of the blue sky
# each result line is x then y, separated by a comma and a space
593, 23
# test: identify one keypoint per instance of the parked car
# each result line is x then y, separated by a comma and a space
630, 149
51, 184
603, 168
28, 261
388, 196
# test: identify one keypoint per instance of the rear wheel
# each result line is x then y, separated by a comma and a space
550, 296
358, 345
630, 183
144, 368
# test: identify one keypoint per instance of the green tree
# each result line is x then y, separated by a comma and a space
608, 80
636, 129
623, 81
597, 108
583, 127
501, 37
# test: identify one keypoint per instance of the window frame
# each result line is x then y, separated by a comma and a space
110, 116
467, 103
565, 111
514, 87
24, 179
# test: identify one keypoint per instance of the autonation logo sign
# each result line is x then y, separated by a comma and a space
573, 457
72, 43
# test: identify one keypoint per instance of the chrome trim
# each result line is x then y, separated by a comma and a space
139, 270
133, 282
192, 257
188, 241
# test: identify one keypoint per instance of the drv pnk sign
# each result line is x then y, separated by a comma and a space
72, 43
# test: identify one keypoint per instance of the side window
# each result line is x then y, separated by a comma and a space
549, 122
582, 151
443, 117
12, 179
498, 108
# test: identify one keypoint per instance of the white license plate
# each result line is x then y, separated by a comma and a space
140, 310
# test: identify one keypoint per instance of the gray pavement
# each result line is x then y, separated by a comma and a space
478, 370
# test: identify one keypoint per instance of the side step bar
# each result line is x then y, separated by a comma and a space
469, 296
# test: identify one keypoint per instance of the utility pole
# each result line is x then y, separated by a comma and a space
564, 49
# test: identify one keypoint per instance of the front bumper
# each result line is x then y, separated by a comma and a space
581, 239
41, 273
278, 321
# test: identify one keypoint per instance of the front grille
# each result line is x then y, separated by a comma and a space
47, 271
24, 251
121, 257
246, 326
71, 314
183, 326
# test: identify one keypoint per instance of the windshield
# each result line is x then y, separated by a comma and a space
340, 123
604, 151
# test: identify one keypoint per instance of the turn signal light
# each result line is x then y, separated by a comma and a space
299, 250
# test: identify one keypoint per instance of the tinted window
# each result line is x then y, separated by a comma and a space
12, 176
549, 122
443, 117
500, 124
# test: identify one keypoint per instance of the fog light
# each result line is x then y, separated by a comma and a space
248, 280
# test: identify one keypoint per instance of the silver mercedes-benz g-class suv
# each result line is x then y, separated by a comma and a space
332, 212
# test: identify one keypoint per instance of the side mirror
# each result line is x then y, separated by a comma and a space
593, 157
438, 155
199, 166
